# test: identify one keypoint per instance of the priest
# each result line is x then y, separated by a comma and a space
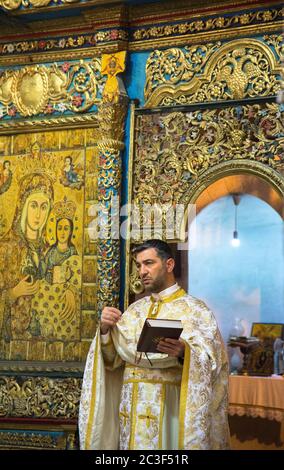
173, 399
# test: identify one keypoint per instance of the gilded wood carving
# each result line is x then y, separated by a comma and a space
50, 90
111, 117
178, 154
173, 149
39, 397
213, 72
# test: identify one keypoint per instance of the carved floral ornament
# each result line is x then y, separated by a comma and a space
212, 72
173, 150
40, 397
50, 89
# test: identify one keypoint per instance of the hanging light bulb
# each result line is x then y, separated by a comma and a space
235, 242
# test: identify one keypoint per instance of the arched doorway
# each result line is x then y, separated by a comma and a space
236, 176
244, 282
241, 184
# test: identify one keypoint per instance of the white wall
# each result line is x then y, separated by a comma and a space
245, 282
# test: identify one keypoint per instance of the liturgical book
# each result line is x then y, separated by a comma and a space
155, 329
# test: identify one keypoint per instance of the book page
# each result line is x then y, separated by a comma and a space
164, 323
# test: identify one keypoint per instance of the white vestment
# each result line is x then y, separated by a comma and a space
126, 404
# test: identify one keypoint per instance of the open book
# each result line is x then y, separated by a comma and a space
155, 329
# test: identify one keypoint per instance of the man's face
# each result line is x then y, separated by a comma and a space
153, 271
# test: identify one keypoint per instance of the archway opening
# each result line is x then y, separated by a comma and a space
245, 283
241, 184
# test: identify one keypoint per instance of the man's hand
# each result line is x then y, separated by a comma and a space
172, 347
110, 316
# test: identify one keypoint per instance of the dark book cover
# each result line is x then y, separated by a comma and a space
155, 329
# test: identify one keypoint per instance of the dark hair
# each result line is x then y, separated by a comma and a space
6, 161
162, 248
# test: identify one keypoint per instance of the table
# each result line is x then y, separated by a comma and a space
257, 397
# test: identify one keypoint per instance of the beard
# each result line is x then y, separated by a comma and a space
155, 286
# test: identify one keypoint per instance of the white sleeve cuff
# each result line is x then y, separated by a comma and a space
105, 338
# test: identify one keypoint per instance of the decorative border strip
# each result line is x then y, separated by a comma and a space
191, 39
44, 368
207, 24
159, 33
182, 9
63, 43
40, 397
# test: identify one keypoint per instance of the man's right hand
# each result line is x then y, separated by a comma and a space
110, 316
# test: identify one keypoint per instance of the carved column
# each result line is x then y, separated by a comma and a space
112, 114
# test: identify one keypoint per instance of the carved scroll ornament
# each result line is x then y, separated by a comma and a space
174, 149
40, 397
244, 68
37, 89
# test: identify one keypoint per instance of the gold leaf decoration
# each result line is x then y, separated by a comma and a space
10, 4
39, 3
40, 397
30, 90
37, 89
14, 4
239, 69
174, 149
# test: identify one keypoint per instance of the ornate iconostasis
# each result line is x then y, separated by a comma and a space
83, 122
61, 137
210, 112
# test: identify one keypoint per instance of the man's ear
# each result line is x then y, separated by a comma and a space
170, 263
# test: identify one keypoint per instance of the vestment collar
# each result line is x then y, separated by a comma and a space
155, 297
167, 295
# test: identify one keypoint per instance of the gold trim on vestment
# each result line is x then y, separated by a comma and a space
158, 303
133, 415
93, 400
169, 376
163, 397
183, 396
151, 381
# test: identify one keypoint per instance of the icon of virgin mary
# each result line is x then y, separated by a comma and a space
22, 252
